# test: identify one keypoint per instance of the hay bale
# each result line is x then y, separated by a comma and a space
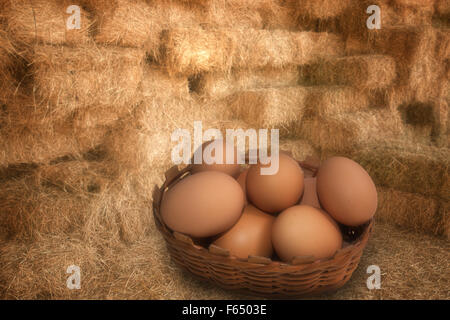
426, 119
401, 42
392, 13
128, 23
29, 136
318, 16
193, 51
140, 23
67, 79
37, 270
443, 44
405, 43
392, 97
271, 108
323, 101
444, 192
405, 166
409, 210
263, 14
280, 48
121, 212
444, 214
219, 85
199, 2
52, 200
94, 199
156, 81
44, 21
442, 8
8, 82
414, 50
416, 3
365, 71
143, 140
343, 132
284, 108
426, 67
320, 9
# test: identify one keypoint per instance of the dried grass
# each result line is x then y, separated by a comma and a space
409, 210
442, 8
192, 51
427, 120
136, 23
28, 135
122, 210
218, 85
319, 9
393, 14
346, 131
323, 101
401, 42
443, 44
364, 71
53, 199
44, 21
137, 143
262, 14
67, 79
144, 270
7, 80
38, 270
285, 108
271, 108
156, 81
91, 198
419, 53
426, 68
411, 47
444, 214
140, 23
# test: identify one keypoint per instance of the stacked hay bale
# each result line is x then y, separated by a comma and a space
87, 114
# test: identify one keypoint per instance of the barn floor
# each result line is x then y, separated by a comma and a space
413, 266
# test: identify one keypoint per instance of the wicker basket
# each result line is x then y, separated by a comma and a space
261, 276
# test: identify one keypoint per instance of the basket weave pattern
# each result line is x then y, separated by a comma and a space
260, 275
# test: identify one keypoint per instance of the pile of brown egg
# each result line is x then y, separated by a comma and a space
279, 216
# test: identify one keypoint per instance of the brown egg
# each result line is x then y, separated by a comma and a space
305, 231
346, 191
231, 169
242, 180
309, 197
203, 204
251, 235
274, 193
